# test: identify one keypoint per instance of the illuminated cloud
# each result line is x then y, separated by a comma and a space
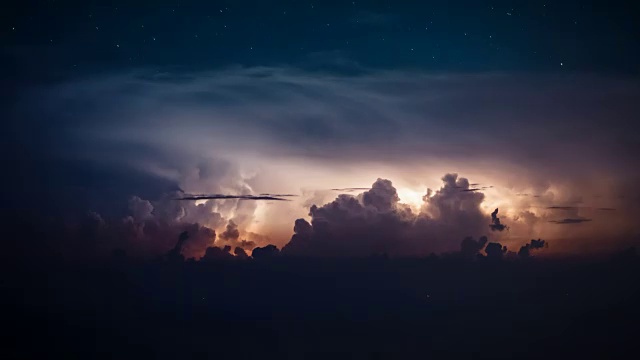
274, 131
376, 222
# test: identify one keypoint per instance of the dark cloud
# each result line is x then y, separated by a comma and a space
214, 253
350, 189
564, 207
231, 233
470, 247
495, 222
266, 252
495, 250
570, 221
606, 209
239, 197
375, 222
279, 195
240, 253
247, 244
525, 251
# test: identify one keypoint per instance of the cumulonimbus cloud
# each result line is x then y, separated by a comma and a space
376, 221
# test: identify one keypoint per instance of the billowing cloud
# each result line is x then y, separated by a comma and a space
376, 221
231, 233
280, 130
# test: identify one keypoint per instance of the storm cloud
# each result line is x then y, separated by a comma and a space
277, 131
376, 222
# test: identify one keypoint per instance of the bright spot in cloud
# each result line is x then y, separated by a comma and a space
411, 197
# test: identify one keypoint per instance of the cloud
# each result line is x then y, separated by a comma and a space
495, 222
214, 253
495, 251
570, 221
231, 233
351, 189
267, 252
376, 222
239, 197
563, 207
525, 251
279, 195
469, 247
267, 130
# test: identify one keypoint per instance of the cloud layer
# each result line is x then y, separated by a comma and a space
563, 140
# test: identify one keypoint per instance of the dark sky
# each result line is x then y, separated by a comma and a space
52, 39
110, 108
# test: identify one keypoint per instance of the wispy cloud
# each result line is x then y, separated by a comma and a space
570, 221
239, 197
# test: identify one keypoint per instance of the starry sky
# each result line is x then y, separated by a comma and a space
52, 39
113, 109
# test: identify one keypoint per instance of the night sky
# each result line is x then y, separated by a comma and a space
114, 110
54, 39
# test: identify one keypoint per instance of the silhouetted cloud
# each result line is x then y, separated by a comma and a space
606, 209
350, 189
240, 253
570, 221
563, 207
175, 254
495, 250
278, 195
214, 253
525, 251
470, 248
239, 197
495, 222
266, 252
